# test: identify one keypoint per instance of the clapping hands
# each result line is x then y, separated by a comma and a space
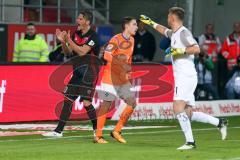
63, 36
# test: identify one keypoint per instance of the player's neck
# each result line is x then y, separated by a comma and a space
126, 35
85, 29
176, 26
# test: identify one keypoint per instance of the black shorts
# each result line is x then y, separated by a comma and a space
81, 85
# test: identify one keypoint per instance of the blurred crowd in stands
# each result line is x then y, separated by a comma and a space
218, 64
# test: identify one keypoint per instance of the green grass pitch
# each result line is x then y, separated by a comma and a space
144, 144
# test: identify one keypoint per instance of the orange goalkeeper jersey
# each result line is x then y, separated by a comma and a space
113, 72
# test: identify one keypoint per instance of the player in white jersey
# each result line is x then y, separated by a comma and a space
183, 48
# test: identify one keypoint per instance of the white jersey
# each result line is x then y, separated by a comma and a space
183, 65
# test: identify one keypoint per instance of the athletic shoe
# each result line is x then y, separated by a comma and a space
223, 122
52, 134
100, 140
117, 135
187, 146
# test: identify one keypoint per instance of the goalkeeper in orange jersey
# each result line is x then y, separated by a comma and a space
115, 82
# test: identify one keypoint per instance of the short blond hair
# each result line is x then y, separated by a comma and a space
178, 11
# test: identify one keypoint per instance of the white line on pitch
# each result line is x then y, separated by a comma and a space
236, 158
128, 133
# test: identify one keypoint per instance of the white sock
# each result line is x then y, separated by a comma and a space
185, 126
204, 118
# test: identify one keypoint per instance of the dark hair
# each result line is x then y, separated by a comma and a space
126, 20
30, 24
209, 24
87, 16
179, 12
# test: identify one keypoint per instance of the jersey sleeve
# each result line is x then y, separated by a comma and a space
92, 41
168, 33
112, 45
110, 49
187, 38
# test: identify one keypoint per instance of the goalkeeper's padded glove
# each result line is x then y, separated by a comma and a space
175, 51
148, 21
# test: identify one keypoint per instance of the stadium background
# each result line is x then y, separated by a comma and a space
222, 13
52, 14
28, 105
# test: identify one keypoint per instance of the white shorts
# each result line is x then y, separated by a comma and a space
110, 92
184, 89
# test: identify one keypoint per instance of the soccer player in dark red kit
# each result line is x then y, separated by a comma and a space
83, 46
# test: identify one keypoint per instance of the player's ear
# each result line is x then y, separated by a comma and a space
126, 25
88, 22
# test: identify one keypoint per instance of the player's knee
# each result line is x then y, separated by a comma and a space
177, 110
178, 106
131, 102
188, 111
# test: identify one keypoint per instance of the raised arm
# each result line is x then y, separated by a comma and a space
160, 28
80, 50
60, 36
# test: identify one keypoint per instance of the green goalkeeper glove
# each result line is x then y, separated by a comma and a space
175, 51
148, 21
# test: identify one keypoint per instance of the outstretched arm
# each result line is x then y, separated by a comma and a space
160, 28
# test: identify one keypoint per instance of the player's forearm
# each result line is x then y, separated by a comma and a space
66, 49
109, 58
76, 48
161, 29
193, 50
114, 60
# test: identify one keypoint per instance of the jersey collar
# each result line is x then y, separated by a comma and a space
125, 37
178, 29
